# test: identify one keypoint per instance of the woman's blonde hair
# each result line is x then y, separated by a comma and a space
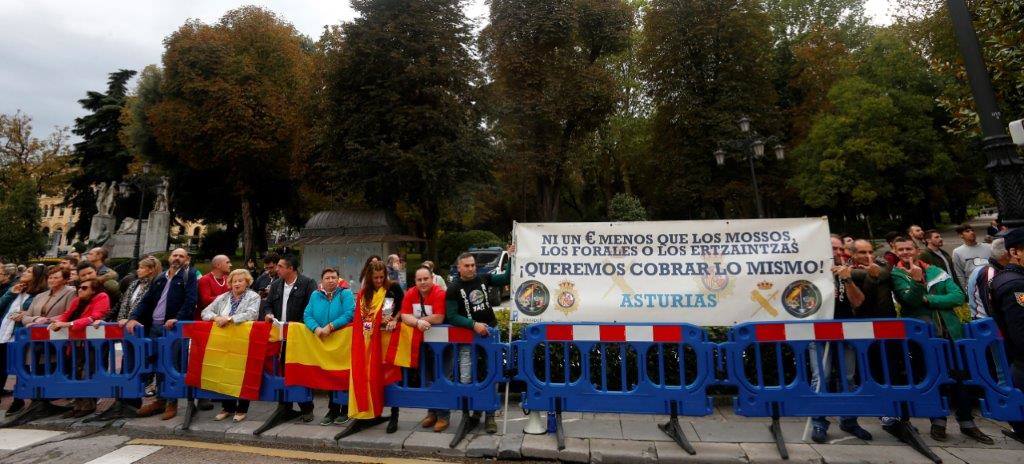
152, 263
240, 272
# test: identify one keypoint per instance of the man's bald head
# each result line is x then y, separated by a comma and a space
221, 264
178, 258
863, 252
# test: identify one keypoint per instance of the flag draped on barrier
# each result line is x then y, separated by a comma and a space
228, 360
335, 363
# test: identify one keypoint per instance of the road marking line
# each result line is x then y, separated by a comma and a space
126, 455
279, 453
12, 439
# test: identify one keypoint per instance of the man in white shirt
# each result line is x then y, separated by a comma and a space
970, 255
286, 301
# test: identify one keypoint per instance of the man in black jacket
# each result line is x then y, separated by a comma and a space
286, 301
171, 297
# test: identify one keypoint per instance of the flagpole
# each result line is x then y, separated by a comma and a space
504, 414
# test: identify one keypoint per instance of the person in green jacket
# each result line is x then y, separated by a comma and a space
467, 305
928, 293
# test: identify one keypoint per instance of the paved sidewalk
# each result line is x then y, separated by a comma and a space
600, 438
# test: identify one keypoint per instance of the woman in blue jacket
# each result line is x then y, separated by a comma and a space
329, 309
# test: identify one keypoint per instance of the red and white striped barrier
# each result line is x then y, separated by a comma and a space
614, 333
448, 335
103, 332
826, 331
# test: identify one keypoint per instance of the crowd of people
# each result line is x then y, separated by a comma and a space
917, 278
77, 293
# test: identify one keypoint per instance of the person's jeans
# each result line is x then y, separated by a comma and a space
152, 332
1017, 374
850, 372
962, 403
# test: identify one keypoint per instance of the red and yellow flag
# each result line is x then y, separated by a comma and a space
228, 360
315, 362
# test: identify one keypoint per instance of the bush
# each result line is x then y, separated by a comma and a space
626, 207
218, 242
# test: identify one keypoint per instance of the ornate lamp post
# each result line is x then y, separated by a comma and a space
750, 147
1004, 167
140, 183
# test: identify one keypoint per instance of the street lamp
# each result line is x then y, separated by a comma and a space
749, 148
1004, 167
140, 183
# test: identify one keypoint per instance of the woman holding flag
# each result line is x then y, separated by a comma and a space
377, 305
330, 309
237, 306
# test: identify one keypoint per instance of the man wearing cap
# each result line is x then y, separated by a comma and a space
1008, 312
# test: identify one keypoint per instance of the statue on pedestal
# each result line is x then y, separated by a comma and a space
162, 191
105, 198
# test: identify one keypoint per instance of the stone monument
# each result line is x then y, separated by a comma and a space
103, 222
158, 227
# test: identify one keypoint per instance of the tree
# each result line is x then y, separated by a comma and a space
400, 123
550, 88
235, 101
21, 237
626, 207
705, 64
100, 156
26, 157
877, 151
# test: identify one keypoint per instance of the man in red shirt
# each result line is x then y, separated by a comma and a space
214, 283
423, 306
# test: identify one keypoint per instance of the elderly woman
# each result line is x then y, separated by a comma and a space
236, 306
92, 304
18, 298
50, 303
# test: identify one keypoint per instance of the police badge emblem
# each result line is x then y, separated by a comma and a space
568, 298
532, 298
1020, 297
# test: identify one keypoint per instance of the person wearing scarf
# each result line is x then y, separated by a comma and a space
236, 306
50, 303
91, 305
928, 293
13, 303
377, 306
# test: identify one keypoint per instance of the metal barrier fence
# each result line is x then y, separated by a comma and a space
661, 369
437, 384
172, 362
885, 367
982, 356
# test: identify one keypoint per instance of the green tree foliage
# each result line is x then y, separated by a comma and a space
400, 124
21, 237
236, 104
24, 156
626, 207
550, 87
705, 62
99, 156
878, 150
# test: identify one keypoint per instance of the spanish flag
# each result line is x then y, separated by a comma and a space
228, 360
402, 346
314, 362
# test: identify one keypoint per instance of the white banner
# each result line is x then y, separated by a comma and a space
710, 273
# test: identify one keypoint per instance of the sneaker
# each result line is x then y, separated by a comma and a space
17, 405
490, 426
329, 418
978, 435
428, 421
856, 431
440, 425
938, 433
819, 434
342, 419
307, 417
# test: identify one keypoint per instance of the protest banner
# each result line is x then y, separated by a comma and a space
717, 273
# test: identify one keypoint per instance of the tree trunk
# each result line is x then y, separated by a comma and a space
549, 192
247, 229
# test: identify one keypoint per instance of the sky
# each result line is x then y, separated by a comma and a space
53, 51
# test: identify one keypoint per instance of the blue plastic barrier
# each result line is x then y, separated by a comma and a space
172, 362
982, 354
435, 383
54, 365
661, 369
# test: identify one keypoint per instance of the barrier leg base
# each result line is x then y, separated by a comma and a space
559, 431
39, 409
392, 421
672, 429
906, 433
357, 425
282, 414
780, 441
467, 423
190, 412
1011, 434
